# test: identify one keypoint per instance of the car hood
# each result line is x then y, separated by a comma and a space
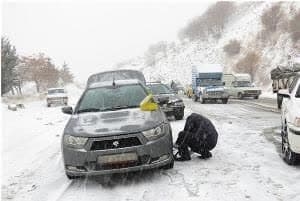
172, 97
250, 88
113, 123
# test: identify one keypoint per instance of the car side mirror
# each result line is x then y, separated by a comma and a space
163, 100
148, 104
284, 93
67, 110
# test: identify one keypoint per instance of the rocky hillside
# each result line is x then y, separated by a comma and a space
253, 38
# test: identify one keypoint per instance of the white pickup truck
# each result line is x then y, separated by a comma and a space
240, 86
56, 96
290, 119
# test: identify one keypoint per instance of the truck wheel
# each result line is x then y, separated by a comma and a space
279, 101
224, 100
202, 100
240, 96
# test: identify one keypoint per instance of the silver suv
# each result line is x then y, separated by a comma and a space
110, 131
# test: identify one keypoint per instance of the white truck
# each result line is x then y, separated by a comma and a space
207, 83
240, 86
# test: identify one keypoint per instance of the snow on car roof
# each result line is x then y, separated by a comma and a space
117, 82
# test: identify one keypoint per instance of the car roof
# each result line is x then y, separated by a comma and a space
117, 82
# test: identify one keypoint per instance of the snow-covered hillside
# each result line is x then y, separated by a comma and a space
243, 25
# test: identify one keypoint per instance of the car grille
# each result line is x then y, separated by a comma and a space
251, 92
115, 143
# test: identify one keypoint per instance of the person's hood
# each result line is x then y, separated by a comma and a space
95, 124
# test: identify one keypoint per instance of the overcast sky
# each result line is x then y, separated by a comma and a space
93, 36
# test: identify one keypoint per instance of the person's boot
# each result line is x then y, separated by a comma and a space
205, 155
184, 154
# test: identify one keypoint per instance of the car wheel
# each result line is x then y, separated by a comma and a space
240, 96
48, 105
256, 97
224, 100
168, 166
289, 156
179, 116
202, 100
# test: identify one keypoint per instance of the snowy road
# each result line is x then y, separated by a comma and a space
246, 163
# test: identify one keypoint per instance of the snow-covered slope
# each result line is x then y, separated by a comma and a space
245, 26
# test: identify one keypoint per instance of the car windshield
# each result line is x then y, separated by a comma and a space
56, 91
111, 98
159, 89
243, 84
210, 82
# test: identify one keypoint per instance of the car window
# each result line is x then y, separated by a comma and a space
159, 89
110, 97
55, 91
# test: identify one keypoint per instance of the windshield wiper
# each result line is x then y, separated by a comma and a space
88, 110
123, 107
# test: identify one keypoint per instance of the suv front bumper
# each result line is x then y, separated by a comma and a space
152, 154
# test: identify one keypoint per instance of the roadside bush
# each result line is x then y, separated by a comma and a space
232, 48
271, 17
294, 27
248, 64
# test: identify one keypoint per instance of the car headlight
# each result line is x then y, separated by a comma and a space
75, 142
297, 122
179, 103
155, 133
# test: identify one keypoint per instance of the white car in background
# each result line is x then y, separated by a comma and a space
290, 116
56, 96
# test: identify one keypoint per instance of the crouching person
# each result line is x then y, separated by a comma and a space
199, 135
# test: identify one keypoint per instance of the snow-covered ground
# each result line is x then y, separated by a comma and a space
246, 164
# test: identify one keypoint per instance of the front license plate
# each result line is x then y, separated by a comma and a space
117, 158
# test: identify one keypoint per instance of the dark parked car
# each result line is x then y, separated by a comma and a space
170, 102
116, 127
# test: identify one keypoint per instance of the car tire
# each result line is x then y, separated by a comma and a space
48, 104
179, 115
290, 157
168, 166
224, 100
256, 97
202, 100
279, 101
240, 96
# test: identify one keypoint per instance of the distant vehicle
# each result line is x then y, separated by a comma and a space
290, 119
170, 102
240, 86
122, 74
56, 96
207, 83
282, 76
116, 127
188, 91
